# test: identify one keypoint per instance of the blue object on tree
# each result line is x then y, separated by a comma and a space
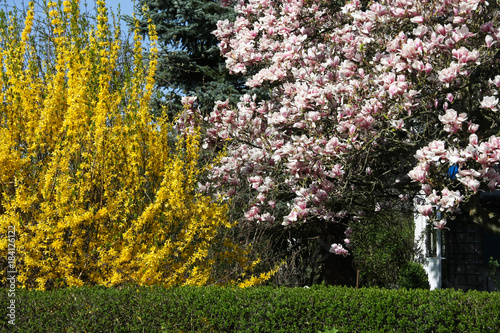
452, 171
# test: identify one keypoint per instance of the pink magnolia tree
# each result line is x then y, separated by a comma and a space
353, 92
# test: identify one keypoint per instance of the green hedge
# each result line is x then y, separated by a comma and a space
412, 275
259, 309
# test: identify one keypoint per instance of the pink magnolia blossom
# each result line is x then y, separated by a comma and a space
473, 128
427, 189
440, 224
452, 121
252, 213
433, 197
463, 55
338, 249
489, 41
473, 139
340, 84
471, 182
489, 102
449, 74
495, 81
418, 174
425, 210
449, 199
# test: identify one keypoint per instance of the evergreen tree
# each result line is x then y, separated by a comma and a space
190, 62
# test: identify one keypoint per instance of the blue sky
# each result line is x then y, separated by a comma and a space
126, 7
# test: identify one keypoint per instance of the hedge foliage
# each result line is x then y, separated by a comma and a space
412, 275
257, 309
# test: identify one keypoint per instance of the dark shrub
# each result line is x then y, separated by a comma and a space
412, 275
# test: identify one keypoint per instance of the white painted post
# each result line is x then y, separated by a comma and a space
439, 259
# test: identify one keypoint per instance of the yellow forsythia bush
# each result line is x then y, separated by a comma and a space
98, 191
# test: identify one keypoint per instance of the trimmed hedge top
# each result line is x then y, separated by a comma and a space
257, 309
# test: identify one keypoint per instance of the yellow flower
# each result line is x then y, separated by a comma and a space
98, 190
